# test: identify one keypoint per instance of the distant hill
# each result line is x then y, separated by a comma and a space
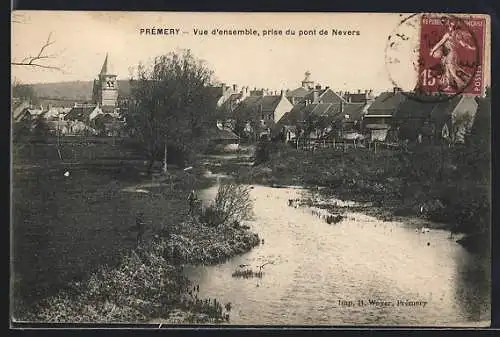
77, 91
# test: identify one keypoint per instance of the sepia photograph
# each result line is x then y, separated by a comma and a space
250, 169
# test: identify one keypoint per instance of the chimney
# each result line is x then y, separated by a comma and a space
315, 96
244, 92
282, 93
359, 91
235, 88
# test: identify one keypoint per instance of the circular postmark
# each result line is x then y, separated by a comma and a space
435, 57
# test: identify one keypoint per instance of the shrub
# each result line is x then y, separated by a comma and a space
232, 203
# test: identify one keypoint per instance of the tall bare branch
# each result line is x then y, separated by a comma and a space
41, 56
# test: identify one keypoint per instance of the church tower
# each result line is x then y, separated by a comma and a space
105, 92
307, 83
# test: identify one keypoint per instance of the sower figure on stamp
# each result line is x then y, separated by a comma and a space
447, 50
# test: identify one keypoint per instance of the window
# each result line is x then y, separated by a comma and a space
110, 84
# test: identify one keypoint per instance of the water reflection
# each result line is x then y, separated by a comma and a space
317, 270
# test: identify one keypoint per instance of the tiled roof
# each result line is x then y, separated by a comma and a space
79, 114
230, 103
103, 118
386, 103
359, 98
482, 119
222, 134
413, 109
299, 92
269, 103
354, 110
301, 112
256, 104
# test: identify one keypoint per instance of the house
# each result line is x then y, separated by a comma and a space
223, 139
298, 95
226, 108
55, 113
26, 112
321, 112
224, 93
351, 117
481, 128
317, 102
19, 109
379, 115
359, 97
447, 119
78, 119
266, 109
107, 124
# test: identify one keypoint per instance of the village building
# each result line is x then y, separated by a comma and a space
298, 95
323, 113
446, 120
21, 109
101, 116
266, 109
379, 115
223, 139
481, 127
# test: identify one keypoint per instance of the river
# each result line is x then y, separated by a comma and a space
317, 273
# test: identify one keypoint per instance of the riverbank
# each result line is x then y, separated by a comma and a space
448, 188
74, 246
148, 282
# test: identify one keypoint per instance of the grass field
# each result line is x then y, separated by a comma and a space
65, 227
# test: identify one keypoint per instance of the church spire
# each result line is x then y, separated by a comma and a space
106, 69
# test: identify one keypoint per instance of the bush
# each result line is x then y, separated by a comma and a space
262, 153
232, 204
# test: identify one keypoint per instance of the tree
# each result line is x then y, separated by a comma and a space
461, 127
170, 104
42, 57
232, 204
21, 131
248, 122
40, 129
24, 92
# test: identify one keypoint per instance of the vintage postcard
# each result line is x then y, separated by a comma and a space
251, 169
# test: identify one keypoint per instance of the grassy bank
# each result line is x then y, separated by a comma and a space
148, 281
74, 254
449, 186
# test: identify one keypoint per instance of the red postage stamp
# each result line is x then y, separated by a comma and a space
451, 54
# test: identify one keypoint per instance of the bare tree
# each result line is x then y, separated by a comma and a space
39, 60
233, 202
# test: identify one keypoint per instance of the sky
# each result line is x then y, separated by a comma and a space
348, 62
